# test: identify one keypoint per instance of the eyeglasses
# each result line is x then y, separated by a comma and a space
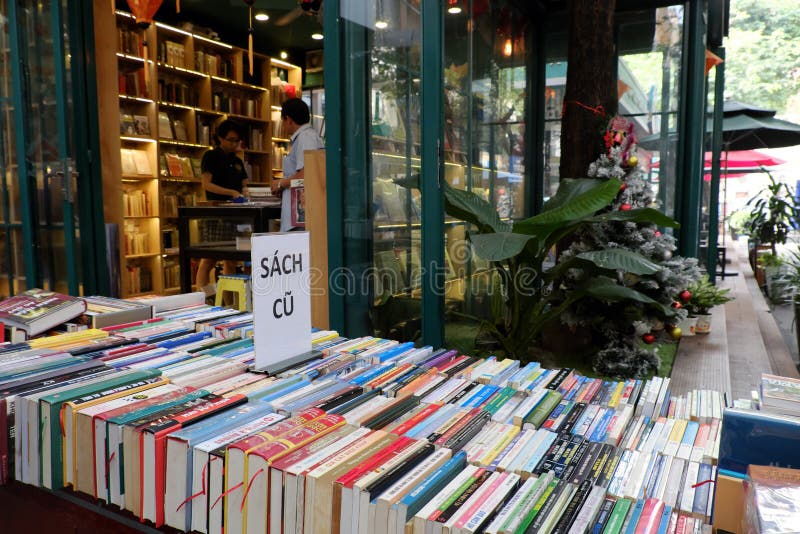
231, 140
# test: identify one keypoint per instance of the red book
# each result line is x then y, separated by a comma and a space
258, 462
153, 444
388, 376
410, 423
235, 466
650, 519
455, 361
461, 423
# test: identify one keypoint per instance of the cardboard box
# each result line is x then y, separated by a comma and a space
728, 504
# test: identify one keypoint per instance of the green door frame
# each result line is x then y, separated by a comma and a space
95, 269
431, 107
690, 125
27, 179
716, 149
59, 60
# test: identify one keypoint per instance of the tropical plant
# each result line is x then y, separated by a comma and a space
533, 298
704, 296
738, 221
773, 212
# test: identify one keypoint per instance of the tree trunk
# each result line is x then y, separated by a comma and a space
591, 93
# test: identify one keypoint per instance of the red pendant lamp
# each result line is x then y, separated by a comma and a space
143, 11
250, 34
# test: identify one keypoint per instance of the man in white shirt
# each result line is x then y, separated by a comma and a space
295, 117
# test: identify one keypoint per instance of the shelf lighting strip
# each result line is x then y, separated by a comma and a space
284, 64
172, 29
137, 139
136, 98
212, 41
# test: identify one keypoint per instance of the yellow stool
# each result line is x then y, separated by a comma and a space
238, 284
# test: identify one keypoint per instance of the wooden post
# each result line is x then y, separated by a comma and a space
317, 226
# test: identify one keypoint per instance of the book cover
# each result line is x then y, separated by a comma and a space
298, 206
758, 438
37, 310
164, 126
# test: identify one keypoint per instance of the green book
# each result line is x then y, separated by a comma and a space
617, 519
500, 399
534, 511
51, 444
542, 411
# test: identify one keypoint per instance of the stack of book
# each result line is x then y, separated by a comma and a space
161, 417
780, 394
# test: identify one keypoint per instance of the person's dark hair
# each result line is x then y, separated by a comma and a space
226, 127
297, 110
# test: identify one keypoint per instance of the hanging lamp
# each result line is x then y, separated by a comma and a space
250, 34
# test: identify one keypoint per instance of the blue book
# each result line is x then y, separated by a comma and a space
665, 515
394, 352
480, 396
283, 391
703, 491
426, 427
538, 453
636, 511
222, 349
601, 430
758, 438
369, 375
184, 340
274, 386
425, 490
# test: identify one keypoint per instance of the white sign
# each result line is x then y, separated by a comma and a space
281, 296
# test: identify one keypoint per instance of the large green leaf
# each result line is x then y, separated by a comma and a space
499, 246
604, 288
625, 260
409, 182
583, 204
569, 188
469, 207
638, 215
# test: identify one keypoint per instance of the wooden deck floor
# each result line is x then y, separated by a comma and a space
744, 341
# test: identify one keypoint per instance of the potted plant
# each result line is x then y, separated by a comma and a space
792, 278
772, 214
771, 276
703, 296
737, 223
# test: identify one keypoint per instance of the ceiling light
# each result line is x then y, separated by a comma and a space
262, 17
284, 55
316, 36
381, 24
508, 48
455, 10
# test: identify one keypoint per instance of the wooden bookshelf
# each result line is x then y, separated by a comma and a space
156, 128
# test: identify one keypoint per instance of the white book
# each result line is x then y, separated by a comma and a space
420, 519
636, 478
505, 513
588, 511
616, 485
480, 494
200, 466
505, 412
527, 405
663, 397
526, 437
688, 491
518, 514
661, 441
293, 489
717, 405
440, 393
586, 419
643, 397
387, 505
633, 430
558, 508
617, 429
649, 443
652, 397
663, 477
355, 416
529, 462
674, 482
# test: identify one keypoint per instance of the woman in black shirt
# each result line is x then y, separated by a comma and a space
224, 178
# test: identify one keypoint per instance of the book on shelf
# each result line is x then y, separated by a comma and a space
141, 162
128, 161
165, 126
37, 310
174, 165
180, 130
133, 84
127, 126
141, 124
197, 166
129, 42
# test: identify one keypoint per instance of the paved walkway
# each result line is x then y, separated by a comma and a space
744, 342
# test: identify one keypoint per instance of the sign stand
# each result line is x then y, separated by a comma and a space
281, 301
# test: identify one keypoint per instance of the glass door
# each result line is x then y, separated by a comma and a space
38, 174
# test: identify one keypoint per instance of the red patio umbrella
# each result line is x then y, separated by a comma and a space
739, 159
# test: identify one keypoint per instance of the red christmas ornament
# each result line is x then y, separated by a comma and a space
677, 305
658, 234
686, 296
649, 339
625, 207
623, 187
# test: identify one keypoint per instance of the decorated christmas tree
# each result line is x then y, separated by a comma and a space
624, 329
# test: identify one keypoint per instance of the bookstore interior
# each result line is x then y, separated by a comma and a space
278, 405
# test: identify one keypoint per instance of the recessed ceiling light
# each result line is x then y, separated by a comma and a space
284, 55
381, 24
316, 36
455, 10
262, 17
